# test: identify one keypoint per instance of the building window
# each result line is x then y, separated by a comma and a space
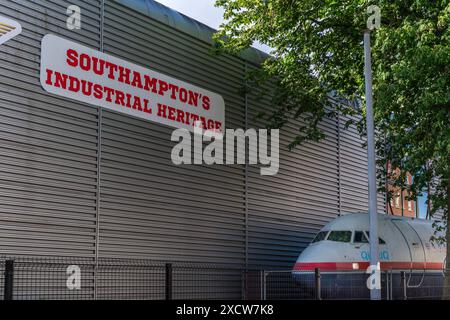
410, 205
397, 200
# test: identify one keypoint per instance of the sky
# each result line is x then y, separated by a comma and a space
422, 206
203, 11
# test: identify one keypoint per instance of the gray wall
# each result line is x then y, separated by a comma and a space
79, 181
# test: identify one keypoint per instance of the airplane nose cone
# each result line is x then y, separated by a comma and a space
317, 255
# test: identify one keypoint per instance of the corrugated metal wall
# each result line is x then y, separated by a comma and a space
353, 170
287, 210
77, 180
151, 208
48, 144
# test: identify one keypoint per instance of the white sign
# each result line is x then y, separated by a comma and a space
8, 29
74, 71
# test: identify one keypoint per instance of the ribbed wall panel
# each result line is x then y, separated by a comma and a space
48, 144
353, 170
287, 210
150, 208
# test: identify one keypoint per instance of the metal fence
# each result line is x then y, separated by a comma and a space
319, 285
24, 278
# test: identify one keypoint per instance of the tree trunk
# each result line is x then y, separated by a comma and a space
446, 289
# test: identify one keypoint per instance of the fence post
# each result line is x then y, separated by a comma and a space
403, 282
387, 286
265, 285
9, 280
317, 281
391, 285
261, 284
168, 281
244, 285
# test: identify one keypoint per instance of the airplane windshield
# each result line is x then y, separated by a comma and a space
340, 236
360, 237
320, 236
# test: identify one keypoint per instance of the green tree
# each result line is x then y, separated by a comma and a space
317, 49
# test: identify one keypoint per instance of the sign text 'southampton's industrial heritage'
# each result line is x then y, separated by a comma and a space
84, 74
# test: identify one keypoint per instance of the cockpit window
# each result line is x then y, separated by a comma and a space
360, 237
380, 241
340, 236
320, 236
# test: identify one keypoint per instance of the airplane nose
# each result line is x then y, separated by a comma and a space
315, 255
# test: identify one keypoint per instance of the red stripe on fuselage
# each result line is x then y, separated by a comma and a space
362, 265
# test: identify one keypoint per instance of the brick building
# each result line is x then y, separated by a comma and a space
399, 204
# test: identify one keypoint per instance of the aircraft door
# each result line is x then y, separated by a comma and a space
414, 243
416, 252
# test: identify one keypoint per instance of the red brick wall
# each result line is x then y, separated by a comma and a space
400, 199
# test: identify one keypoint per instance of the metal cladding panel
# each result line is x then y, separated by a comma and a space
48, 145
186, 25
353, 170
53, 150
288, 209
149, 207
